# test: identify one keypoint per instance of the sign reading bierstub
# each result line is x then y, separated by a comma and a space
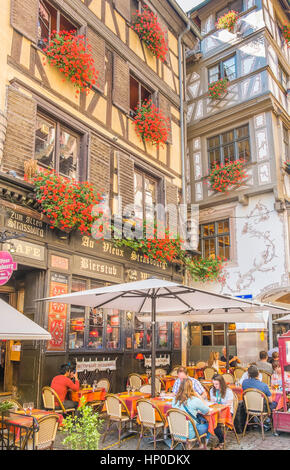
7, 266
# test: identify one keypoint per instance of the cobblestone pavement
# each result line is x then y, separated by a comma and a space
251, 441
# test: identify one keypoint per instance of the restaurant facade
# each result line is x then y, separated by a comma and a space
87, 138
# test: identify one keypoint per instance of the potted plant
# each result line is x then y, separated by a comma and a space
5, 407
286, 34
67, 203
150, 123
218, 89
206, 269
71, 54
228, 21
224, 175
146, 25
82, 430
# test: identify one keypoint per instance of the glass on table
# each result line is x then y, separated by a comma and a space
25, 407
30, 406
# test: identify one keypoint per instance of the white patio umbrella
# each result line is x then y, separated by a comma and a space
285, 319
156, 295
16, 326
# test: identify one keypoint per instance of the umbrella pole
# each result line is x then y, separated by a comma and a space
227, 344
153, 344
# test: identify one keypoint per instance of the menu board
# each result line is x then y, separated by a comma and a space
57, 315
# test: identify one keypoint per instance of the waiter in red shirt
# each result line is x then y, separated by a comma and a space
67, 380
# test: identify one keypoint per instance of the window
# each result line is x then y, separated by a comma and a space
231, 145
225, 69
57, 147
206, 335
138, 94
218, 334
77, 318
214, 239
113, 329
145, 196
236, 5
50, 19
283, 78
162, 335
96, 323
143, 335
286, 143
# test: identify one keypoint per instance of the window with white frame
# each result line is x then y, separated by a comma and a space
229, 146
226, 68
214, 239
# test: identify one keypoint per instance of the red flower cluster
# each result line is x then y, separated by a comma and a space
146, 25
222, 176
206, 269
151, 124
71, 54
218, 89
286, 34
165, 249
67, 203
228, 21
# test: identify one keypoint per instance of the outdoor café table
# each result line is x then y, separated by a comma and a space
130, 400
195, 372
98, 395
167, 380
21, 424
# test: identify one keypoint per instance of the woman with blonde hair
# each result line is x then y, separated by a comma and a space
187, 400
214, 360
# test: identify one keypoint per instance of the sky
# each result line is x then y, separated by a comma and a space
188, 4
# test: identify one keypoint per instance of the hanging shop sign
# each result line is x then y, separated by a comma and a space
159, 361
96, 365
7, 266
57, 316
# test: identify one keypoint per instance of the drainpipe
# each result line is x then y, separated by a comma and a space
180, 71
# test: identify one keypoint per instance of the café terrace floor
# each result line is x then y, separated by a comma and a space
251, 441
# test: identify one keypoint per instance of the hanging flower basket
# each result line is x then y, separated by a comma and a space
223, 176
150, 123
71, 54
206, 269
67, 203
228, 21
149, 30
218, 89
287, 167
286, 34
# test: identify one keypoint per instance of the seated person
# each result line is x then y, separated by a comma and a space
274, 357
63, 383
246, 375
189, 401
276, 378
221, 394
263, 363
254, 382
233, 360
197, 387
214, 361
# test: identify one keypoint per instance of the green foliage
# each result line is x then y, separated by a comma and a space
83, 431
5, 406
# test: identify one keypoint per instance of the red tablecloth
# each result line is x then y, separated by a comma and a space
97, 395
167, 380
275, 394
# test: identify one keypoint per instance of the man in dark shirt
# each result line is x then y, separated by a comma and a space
254, 382
63, 383
233, 360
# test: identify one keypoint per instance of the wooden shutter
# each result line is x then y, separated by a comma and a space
165, 107
98, 52
165, 30
124, 8
121, 84
126, 179
24, 17
19, 141
171, 191
99, 165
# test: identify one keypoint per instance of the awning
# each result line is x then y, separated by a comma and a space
16, 326
285, 319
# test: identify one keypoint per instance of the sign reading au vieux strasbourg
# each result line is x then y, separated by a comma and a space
7, 266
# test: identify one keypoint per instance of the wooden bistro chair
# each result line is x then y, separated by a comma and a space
117, 413
266, 377
145, 388
254, 403
48, 396
178, 422
135, 381
239, 372
160, 371
226, 428
15, 403
200, 365
209, 372
147, 417
174, 371
45, 436
104, 383
229, 378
